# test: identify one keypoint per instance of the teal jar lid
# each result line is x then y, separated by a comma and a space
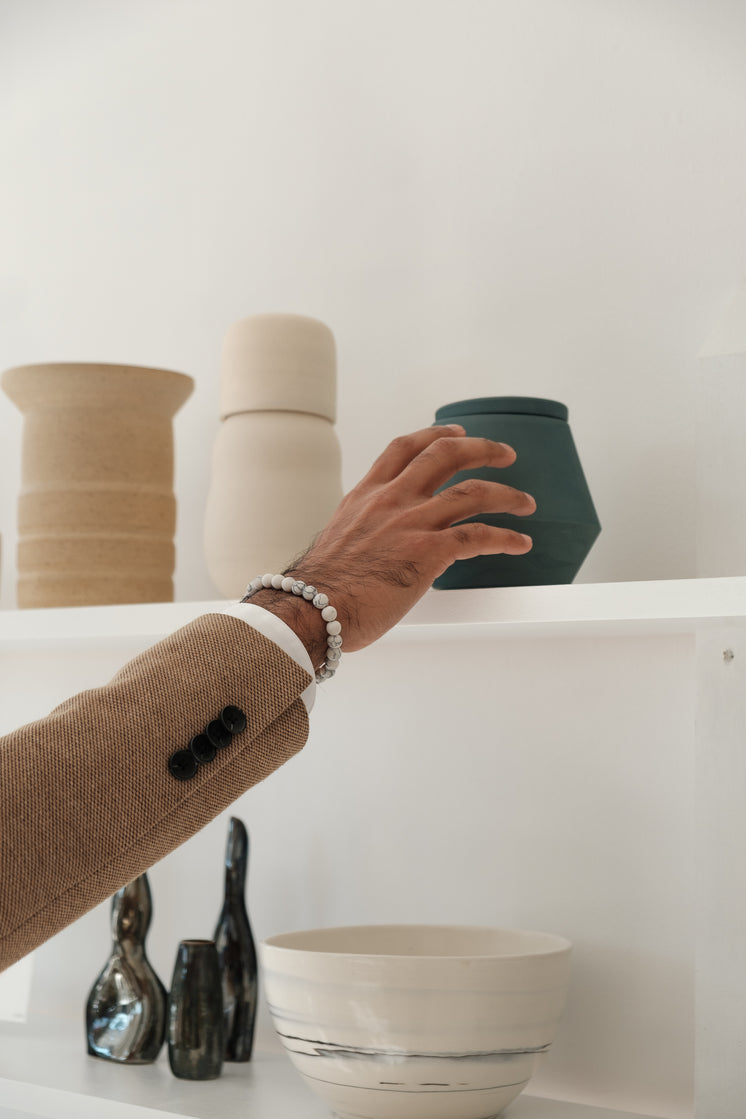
515, 405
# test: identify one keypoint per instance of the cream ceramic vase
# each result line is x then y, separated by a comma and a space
276, 470
96, 512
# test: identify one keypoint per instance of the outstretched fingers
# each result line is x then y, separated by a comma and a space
465, 541
472, 497
402, 451
440, 460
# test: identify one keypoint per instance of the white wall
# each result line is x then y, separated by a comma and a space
531, 196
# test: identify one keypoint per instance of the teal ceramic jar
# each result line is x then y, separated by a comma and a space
564, 526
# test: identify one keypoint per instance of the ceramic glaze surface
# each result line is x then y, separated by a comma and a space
416, 1022
279, 479
565, 524
279, 362
276, 473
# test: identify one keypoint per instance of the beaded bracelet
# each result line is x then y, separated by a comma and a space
317, 599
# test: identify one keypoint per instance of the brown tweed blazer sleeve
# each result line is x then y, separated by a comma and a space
86, 798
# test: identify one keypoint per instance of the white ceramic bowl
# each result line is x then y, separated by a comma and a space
416, 1021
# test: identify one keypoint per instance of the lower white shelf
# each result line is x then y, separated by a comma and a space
45, 1073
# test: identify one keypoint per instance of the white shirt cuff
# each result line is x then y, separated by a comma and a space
281, 634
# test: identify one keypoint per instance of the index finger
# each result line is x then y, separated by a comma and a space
402, 450
439, 461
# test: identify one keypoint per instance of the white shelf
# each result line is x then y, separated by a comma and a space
50, 1076
99, 624
685, 605
45, 1073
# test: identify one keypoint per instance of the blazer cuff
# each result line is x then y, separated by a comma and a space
281, 634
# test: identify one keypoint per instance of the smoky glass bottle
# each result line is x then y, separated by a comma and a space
126, 1007
236, 949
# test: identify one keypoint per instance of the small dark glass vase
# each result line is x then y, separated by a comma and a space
126, 1008
236, 949
195, 1013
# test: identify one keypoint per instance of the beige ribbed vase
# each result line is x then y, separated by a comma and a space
96, 512
276, 470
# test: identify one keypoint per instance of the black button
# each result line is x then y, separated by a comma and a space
182, 765
202, 748
233, 719
218, 734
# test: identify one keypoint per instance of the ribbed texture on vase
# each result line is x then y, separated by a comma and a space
96, 511
279, 362
91, 570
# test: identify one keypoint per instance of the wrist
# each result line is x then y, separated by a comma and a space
300, 594
306, 624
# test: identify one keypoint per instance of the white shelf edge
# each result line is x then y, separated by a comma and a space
669, 605
100, 623
68, 1084
56, 1103
665, 606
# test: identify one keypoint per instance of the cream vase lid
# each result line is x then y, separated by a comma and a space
279, 362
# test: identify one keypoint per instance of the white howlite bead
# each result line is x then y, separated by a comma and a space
321, 602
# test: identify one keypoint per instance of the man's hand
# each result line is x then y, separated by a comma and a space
393, 535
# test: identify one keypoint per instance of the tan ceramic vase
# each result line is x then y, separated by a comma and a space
96, 513
276, 471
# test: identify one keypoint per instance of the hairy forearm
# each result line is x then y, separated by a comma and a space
302, 618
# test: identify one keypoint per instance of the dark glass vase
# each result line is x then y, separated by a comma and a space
236, 949
564, 526
126, 1008
195, 1013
